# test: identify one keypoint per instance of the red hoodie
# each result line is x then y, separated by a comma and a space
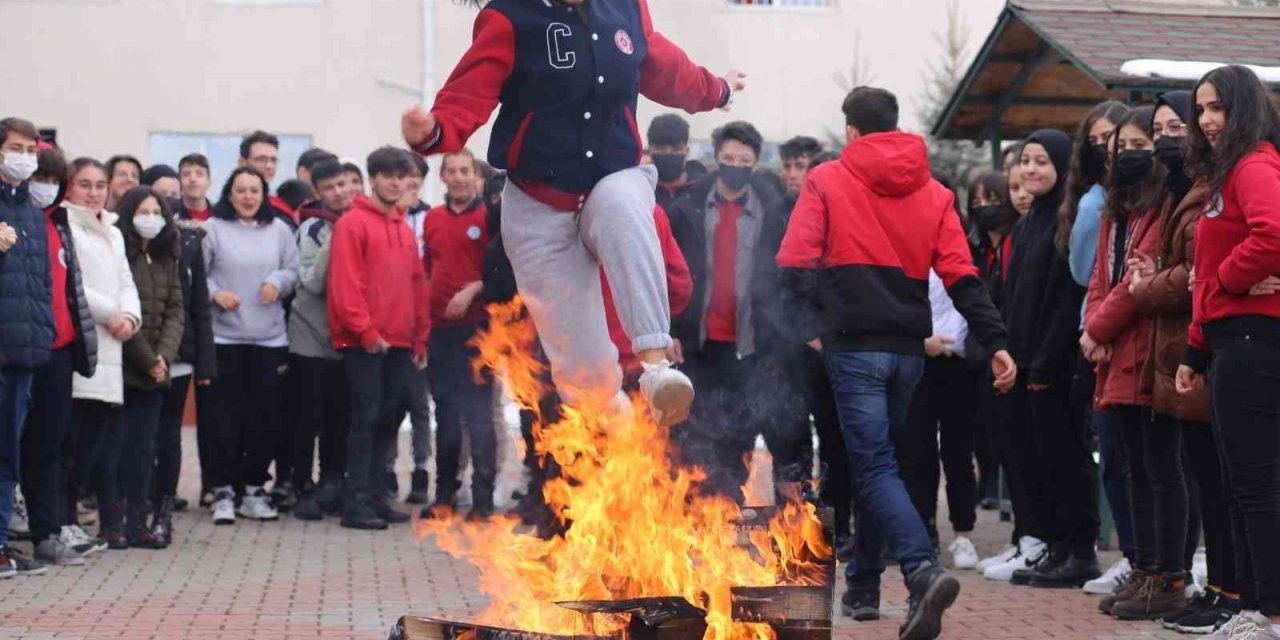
1237, 247
377, 284
861, 241
679, 290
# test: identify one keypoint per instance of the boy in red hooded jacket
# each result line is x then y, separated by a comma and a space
380, 321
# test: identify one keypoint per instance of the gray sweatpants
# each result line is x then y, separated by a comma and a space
557, 257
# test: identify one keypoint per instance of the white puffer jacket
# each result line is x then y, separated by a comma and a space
109, 288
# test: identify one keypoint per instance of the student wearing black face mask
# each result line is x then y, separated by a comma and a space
734, 333
1160, 289
1118, 340
668, 139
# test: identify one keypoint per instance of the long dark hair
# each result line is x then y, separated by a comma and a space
1078, 181
1250, 119
993, 182
225, 211
163, 246
1145, 195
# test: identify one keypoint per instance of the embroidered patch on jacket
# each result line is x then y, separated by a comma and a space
624, 42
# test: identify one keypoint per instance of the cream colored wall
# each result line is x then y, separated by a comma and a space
111, 72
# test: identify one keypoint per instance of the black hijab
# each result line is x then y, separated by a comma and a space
1176, 181
1058, 146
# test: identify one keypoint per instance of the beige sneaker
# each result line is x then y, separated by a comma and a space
668, 391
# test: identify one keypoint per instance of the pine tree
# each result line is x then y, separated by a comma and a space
959, 158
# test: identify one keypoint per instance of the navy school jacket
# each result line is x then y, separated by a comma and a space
568, 80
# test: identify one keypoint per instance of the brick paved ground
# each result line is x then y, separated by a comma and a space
292, 579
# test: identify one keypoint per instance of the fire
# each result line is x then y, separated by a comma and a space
639, 527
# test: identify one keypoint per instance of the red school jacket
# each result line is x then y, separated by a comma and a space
1111, 317
377, 283
1237, 247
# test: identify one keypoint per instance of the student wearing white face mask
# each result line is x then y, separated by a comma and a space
26, 317
57, 538
151, 243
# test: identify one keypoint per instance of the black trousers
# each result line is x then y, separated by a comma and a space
1016, 447
738, 399
48, 428
1200, 451
377, 385
246, 410
1244, 387
944, 404
168, 464
206, 426
837, 483
1070, 475
1152, 446
322, 411
142, 413
99, 442
463, 404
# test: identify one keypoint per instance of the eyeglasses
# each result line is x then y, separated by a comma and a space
1174, 129
265, 160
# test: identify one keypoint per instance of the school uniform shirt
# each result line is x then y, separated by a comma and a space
63, 324
722, 307
455, 242
568, 79
946, 320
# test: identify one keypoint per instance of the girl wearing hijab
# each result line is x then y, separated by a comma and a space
1236, 321
1057, 521
113, 302
151, 241
1164, 296
1117, 340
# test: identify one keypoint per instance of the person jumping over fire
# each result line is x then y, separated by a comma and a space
568, 74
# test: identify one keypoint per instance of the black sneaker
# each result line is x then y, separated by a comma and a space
283, 497
1207, 599
861, 601
931, 591
308, 508
330, 499
360, 515
24, 565
1049, 558
387, 513
1210, 619
418, 485
1071, 571
392, 485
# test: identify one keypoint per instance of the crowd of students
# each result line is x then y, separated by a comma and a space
851, 294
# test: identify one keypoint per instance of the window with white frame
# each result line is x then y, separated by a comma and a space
223, 151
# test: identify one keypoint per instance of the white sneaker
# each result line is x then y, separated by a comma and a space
668, 391
1029, 552
84, 544
963, 554
1000, 558
19, 525
224, 506
256, 505
1243, 626
1106, 584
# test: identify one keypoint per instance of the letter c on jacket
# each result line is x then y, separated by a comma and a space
559, 58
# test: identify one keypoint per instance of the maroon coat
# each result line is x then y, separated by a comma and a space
1166, 299
1111, 318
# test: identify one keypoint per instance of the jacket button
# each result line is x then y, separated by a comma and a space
600, 80
586, 116
595, 36
591, 154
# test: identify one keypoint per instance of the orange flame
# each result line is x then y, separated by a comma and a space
639, 527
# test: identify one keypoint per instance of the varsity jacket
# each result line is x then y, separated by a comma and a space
568, 79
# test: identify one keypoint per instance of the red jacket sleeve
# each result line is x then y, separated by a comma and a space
1251, 261
679, 282
953, 259
346, 285
471, 93
670, 78
805, 243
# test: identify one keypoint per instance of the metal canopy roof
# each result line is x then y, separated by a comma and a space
1046, 63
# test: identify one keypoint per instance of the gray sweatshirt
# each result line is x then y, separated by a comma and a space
240, 258
309, 334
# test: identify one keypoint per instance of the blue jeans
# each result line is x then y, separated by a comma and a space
15, 400
873, 396
1115, 481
